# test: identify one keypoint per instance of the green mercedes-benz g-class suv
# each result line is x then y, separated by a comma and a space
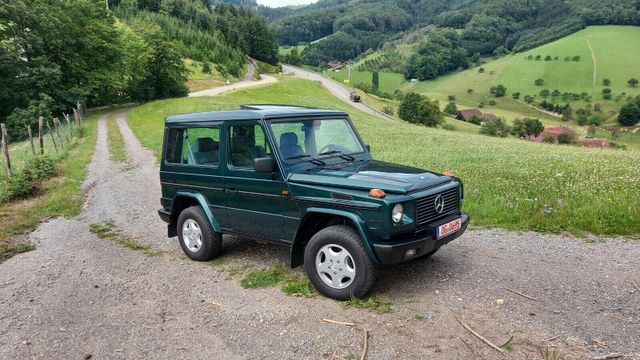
302, 178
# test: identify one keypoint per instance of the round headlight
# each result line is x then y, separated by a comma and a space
396, 213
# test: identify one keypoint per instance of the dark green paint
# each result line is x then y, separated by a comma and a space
273, 206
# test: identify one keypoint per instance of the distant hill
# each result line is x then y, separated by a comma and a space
476, 27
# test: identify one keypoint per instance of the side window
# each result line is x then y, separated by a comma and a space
247, 143
194, 146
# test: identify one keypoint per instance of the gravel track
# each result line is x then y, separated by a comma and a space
77, 295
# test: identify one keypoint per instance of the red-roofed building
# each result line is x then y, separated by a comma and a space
553, 132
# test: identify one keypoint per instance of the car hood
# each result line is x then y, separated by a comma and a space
392, 178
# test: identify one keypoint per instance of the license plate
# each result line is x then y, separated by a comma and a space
448, 228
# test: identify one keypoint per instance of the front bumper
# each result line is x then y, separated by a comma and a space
395, 253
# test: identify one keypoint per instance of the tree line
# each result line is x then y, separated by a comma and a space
55, 53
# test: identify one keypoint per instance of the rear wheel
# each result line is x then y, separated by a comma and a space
197, 239
337, 263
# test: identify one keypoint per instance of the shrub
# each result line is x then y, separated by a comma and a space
548, 58
516, 95
451, 108
633, 82
388, 109
451, 97
476, 120
565, 139
606, 82
629, 115
539, 82
492, 102
24, 182
576, 58
481, 70
495, 128
549, 140
606, 93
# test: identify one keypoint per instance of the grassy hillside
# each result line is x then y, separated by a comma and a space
198, 80
389, 81
615, 59
509, 183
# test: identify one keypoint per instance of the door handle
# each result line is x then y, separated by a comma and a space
232, 190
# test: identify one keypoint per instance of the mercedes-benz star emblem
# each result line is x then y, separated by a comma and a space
439, 204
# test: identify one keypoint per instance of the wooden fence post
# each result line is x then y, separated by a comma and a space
33, 148
76, 117
56, 125
5, 149
66, 117
66, 135
55, 146
41, 134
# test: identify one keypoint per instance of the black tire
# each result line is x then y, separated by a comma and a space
347, 238
211, 241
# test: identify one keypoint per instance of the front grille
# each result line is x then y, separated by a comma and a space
426, 208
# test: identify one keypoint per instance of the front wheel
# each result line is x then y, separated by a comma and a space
197, 238
337, 263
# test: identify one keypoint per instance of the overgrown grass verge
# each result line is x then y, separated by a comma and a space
108, 231
292, 284
374, 303
60, 195
117, 151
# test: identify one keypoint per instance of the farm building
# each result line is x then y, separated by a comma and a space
553, 132
335, 65
466, 115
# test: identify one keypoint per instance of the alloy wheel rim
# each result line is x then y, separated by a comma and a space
335, 266
192, 235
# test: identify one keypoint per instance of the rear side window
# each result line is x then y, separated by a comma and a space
248, 142
194, 146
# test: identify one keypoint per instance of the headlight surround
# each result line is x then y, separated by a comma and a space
397, 213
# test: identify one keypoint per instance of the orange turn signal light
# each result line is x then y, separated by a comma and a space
377, 193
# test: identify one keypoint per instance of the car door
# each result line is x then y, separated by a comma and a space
192, 163
255, 200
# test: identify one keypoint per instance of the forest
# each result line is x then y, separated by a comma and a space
479, 28
55, 53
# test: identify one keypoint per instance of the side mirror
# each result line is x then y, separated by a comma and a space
263, 165
368, 147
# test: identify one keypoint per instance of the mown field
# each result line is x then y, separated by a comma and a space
509, 183
615, 59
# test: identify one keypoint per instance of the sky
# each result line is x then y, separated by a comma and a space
279, 3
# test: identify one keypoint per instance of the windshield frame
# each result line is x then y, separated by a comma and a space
295, 162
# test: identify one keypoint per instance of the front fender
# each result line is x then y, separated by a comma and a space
357, 221
202, 201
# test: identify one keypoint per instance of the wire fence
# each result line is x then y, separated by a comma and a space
54, 131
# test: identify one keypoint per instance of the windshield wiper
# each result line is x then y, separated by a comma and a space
308, 158
339, 153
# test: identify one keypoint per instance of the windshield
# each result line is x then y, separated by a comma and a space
299, 140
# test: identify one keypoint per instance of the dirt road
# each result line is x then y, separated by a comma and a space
336, 89
246, 82
77, 296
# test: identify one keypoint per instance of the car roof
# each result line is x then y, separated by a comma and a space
252, 112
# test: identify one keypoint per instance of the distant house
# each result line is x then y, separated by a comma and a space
553, 132
335, 65
466, 115
595, 143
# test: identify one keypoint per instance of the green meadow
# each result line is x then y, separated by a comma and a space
509, 183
